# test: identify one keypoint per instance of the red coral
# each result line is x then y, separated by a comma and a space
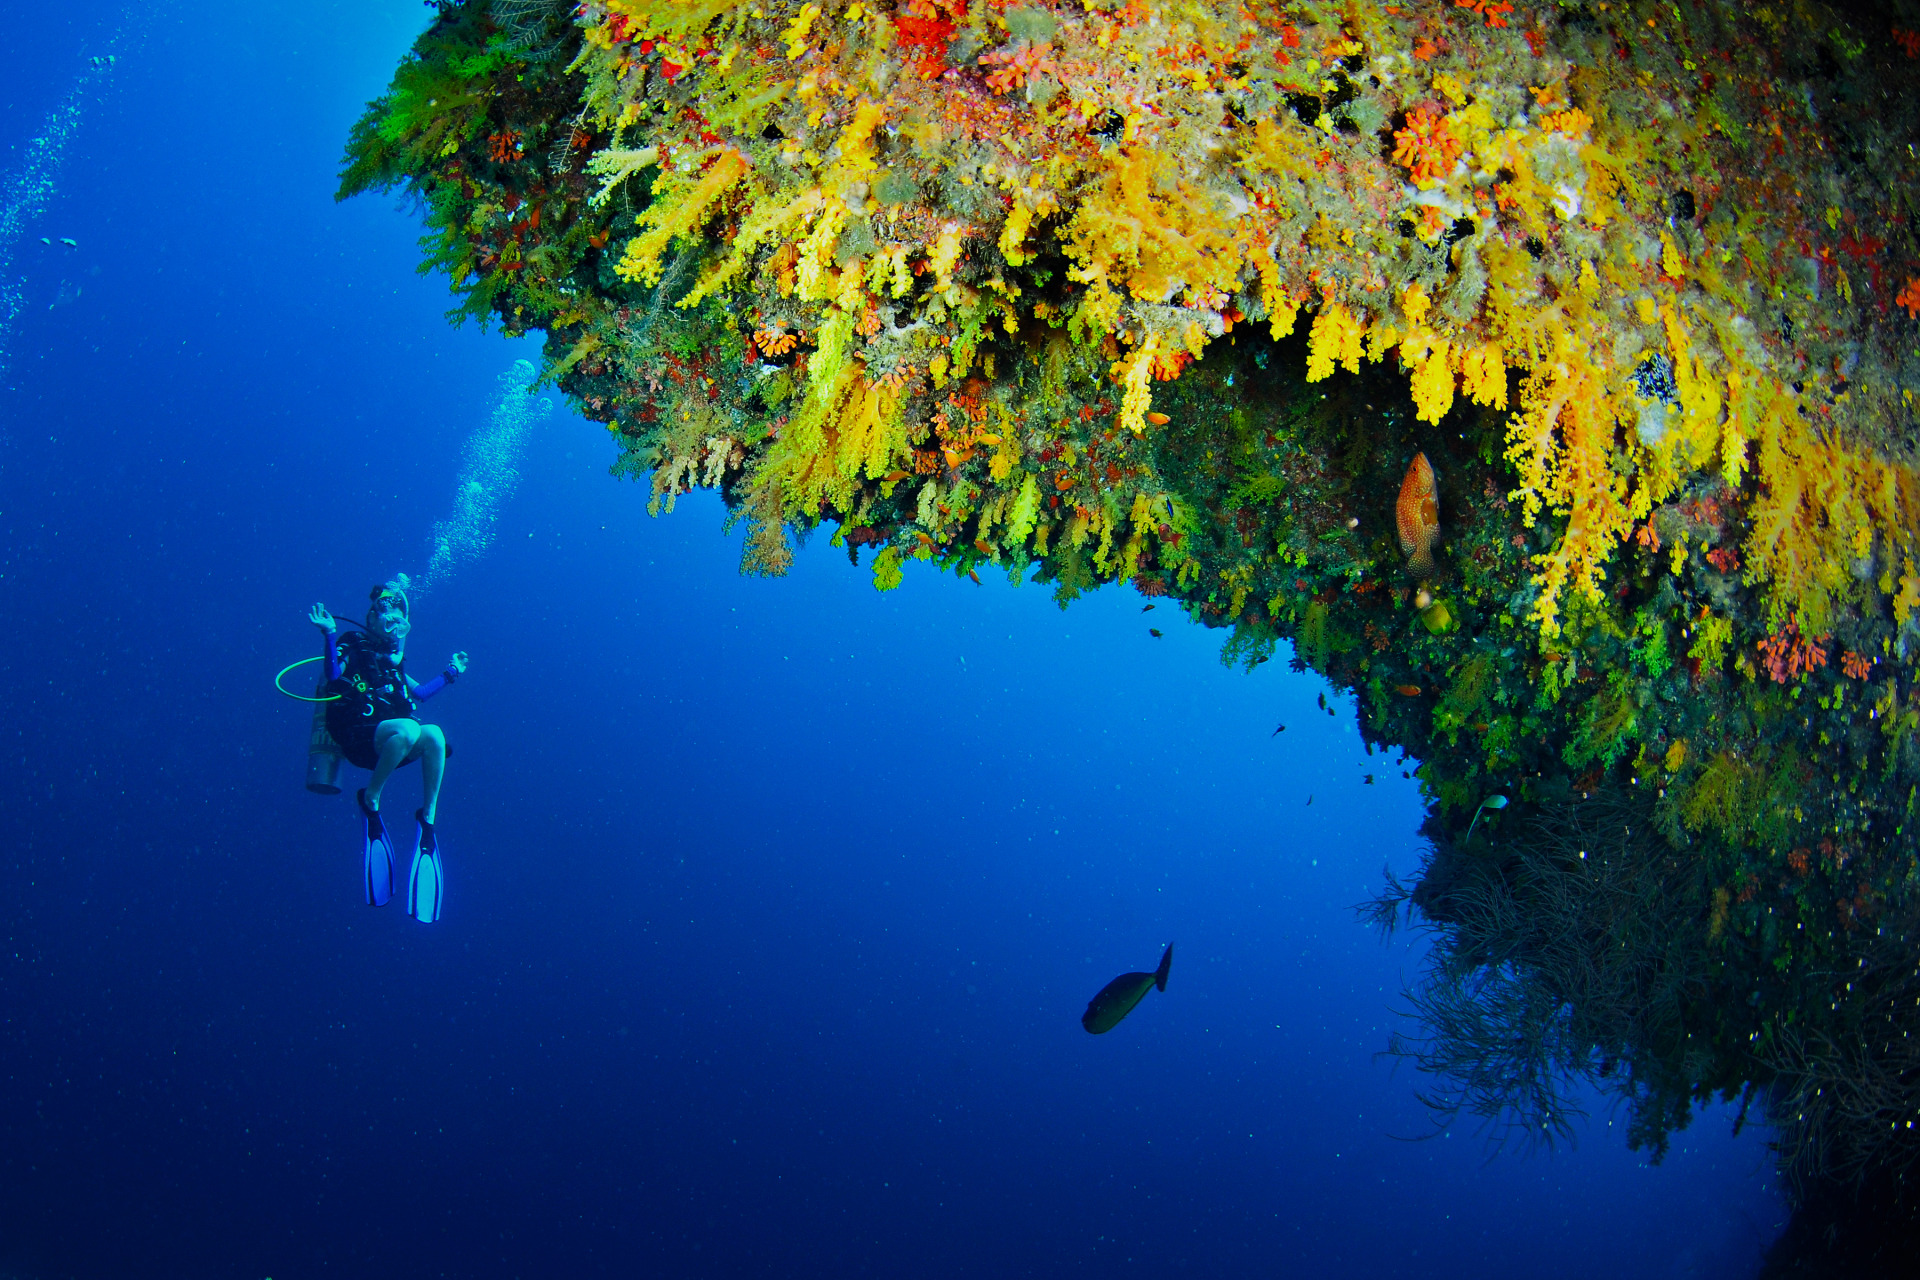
926, 30
1855, 911
1705, 509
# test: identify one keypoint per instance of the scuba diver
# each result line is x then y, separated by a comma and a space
373, 720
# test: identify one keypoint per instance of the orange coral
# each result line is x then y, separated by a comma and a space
775, 342
1425, 146
1017, 66
1788, 655
504, 146
896, 379
1492, 10
1856, 665
1909, 297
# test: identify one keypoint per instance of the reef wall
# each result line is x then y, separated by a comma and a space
1186, 295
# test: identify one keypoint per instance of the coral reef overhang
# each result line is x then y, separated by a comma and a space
1173, 295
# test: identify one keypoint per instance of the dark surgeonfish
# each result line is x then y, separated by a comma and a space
1117, 998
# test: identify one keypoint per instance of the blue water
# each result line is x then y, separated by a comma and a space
772, 905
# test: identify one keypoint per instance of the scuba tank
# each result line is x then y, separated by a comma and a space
323, 753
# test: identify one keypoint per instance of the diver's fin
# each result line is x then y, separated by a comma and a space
425, 885
1160, 974
379, 855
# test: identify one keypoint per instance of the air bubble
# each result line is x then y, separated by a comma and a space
489, 473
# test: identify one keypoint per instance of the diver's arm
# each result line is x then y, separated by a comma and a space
320, 618
421, 692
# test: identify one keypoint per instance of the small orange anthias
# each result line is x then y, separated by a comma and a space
1418, 513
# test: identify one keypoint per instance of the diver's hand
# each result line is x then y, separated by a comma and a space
458, 664
320, 618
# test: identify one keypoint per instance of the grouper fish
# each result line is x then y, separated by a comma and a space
1117, 998
1417, 514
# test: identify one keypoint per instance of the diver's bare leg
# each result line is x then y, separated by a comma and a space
432, 750
394, 740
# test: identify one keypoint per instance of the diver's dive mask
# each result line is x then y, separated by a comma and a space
389, 615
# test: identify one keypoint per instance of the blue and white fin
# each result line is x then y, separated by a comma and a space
426, 886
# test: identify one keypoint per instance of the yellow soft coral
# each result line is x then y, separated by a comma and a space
1819, 503
1136, 376
1485, 375
1169, 252
680, 207
1908, 601
1414, 303
856, 141
1152, 232
1333, 340
1014, 235
1432, 380
1561, 443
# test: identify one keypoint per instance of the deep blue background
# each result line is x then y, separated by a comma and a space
773, 904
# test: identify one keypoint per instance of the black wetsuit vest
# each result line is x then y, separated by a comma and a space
372, 687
